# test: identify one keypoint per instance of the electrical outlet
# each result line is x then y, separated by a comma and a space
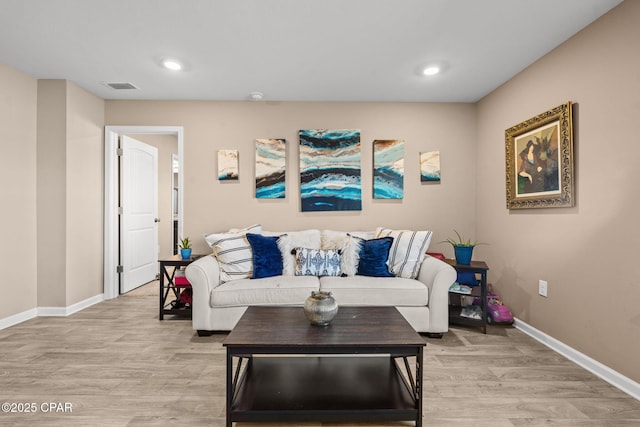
542, 287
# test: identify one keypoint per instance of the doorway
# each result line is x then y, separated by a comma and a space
138, 213
111, 204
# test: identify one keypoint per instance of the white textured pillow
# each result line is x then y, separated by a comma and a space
317, 262
407, 251
348, 244
296, 239
233, 252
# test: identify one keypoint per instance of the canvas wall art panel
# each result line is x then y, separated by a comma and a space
271, 156
330, 170
388, 169
430, 166
227, 165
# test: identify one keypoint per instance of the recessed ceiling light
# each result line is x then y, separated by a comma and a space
171, 64
431, 70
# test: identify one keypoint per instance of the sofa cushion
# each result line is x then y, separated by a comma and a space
374, 254
296, 239
363, 290
317, 262
233, 252
276, 290
267, 259
349, 246
408, 250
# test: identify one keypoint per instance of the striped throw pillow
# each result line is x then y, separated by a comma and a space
233, 252
407, 251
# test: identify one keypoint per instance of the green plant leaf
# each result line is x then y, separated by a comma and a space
185, 243
461, 241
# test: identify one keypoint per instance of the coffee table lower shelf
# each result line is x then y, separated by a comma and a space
314, 388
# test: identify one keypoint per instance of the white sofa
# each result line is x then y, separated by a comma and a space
219, 304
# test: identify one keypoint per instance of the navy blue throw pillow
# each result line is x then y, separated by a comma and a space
373, 257
467, 278
267, 259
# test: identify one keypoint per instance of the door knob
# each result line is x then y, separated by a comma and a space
156, 220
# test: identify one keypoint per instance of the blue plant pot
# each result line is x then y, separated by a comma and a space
185, 253
463, 254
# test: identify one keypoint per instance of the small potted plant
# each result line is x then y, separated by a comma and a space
462, 248
185, 248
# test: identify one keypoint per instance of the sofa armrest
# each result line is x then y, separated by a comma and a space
204, 276
438, 276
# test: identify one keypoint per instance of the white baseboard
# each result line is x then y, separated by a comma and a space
74, 308
18, 318
614, 378
49, 311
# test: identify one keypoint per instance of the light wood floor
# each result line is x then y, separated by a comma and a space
116, 364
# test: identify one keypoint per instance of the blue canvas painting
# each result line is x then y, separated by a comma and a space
330, 170
271, 155
388, 169
430, 166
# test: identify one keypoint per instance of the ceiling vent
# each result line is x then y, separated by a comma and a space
121, 85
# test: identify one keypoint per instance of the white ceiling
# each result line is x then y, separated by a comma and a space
290, 50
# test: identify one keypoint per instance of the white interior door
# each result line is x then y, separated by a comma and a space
139, 219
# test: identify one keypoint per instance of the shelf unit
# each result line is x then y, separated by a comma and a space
479, 268
169, 268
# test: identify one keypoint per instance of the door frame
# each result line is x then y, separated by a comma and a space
111, 234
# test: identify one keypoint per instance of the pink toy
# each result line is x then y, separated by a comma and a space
497, 312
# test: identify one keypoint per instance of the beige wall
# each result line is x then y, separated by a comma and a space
167, 145
84, 194
18, 261
52, 181
586, 252
70, 193
211, 205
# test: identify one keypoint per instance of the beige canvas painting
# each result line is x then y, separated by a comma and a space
227, 165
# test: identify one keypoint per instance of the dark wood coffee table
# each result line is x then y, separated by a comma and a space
366, 365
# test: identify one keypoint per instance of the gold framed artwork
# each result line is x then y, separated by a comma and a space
539, 161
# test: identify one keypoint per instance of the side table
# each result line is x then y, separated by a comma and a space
168, 284
478, 268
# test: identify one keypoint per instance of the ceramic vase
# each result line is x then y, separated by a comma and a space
463, 254
320, 308
185, 253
